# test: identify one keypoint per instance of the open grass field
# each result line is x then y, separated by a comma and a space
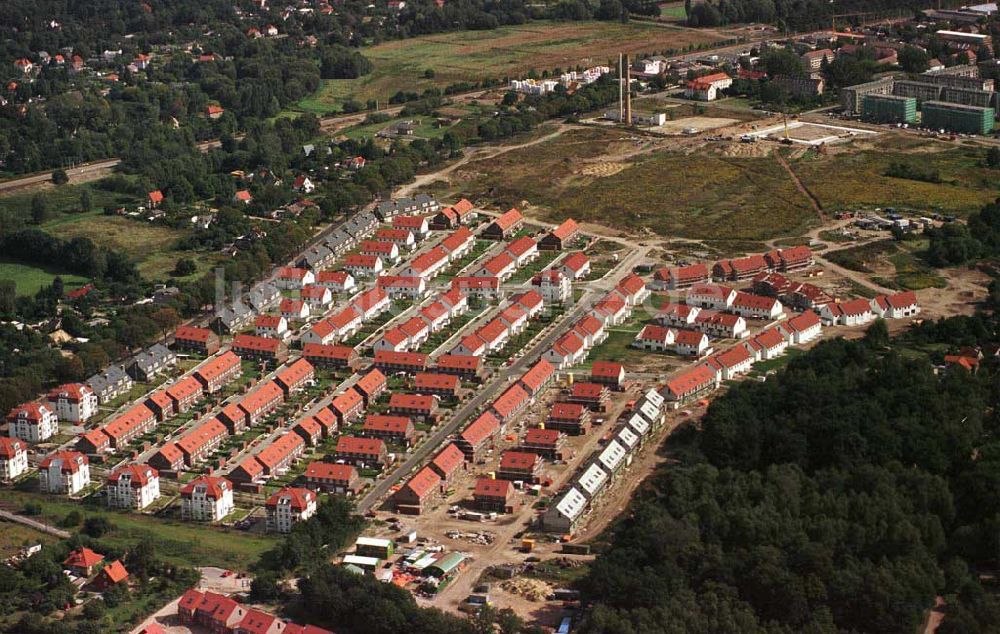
183, 542
856, 179
674, 10
30, 279
13, 537
64, 199
603, 176
505, 52
150, 246
892, 264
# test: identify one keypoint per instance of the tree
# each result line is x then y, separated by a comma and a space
97, 526
913, 60
993, 157
85, 202
781, 61
59, 177
39, 209
185, 267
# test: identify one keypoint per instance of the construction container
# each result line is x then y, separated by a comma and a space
527, 545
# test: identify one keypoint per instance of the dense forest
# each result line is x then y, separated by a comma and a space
844, 494
796, 15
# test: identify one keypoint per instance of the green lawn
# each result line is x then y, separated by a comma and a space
673, 10
30, 279
186, 542
508, 51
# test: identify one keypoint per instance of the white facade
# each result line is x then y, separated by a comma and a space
201, 506
65, 475
77, 403
13, 459
35, 424
129, 492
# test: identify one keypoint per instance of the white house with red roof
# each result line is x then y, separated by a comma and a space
288, 507
436, 315
133, 486
487, 288
612, 310
678, 315
632, 289
470, 345
730, 363
428, 264
591, 330
566, 352
32, 421
458, 243
554, 286
802, 328
393, 339
768, 344
293, 278
714, 296
318, 297
418, 226
13, 458
689, 383
654, 338
403, 286
272, 326
403, 238
523, 250
752, 306
64, 472
855, 312
575, 266
456, 301
721, 325
74, 402
514, 318
371, 303
494, 334
691, 343
707, 87
303, 184
294, 309
500, 266
388, 251
336, 281
896, 306
363, 266
207, 499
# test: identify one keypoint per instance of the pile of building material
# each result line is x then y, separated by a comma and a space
531, 589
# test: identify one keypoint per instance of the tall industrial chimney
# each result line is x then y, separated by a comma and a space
621, 79
628, 92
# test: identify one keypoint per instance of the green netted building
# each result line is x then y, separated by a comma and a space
889, 109
954, 117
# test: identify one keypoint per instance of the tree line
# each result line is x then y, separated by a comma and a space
844, 494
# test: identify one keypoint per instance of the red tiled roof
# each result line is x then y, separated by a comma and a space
361, 446
324, 351
389, 424
575, 261
478, 430
508, 219
537, 375
690, 379
488, 487
215, 486
217, 366
191, 333
459, 362
330, 471
346, 402
607, 369
83, 557
510, 401
566, 230
423, 482
432, 381
519, 460
521, 246
141, 474
390, 357
300, 498
255, 343
541, 436
420, 402
567, 411
449, 459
